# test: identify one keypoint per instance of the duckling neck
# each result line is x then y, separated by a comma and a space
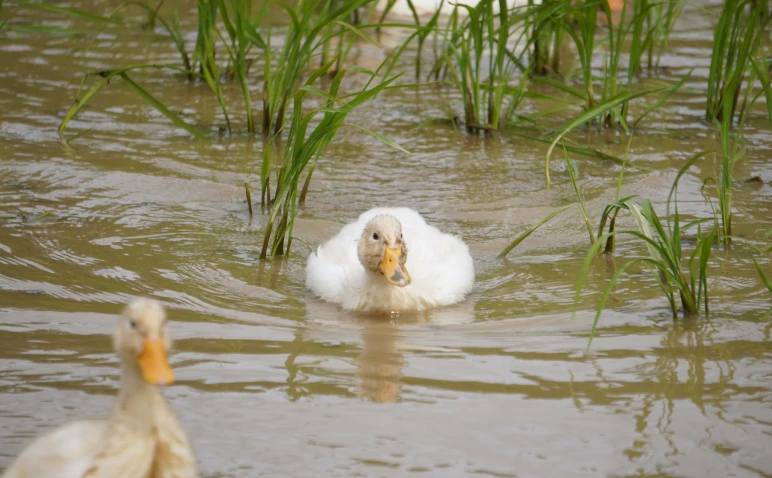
136, 399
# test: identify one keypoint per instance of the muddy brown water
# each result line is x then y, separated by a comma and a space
273, 382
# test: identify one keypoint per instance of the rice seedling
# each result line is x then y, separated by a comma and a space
571, 170
738, 34
480, 45
763, 275
615, 96
759, 73
546, 36
106, 76
611, 108
303, 146
69, 11
306, 36
205, 50
420, 33
604, 108
243, 35
732, 150
653, 22
689, 281
585, 17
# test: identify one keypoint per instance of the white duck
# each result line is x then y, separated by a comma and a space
425, 8
142, 438
366, 267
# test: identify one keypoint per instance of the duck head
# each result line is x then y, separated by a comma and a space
142, 339
381, 249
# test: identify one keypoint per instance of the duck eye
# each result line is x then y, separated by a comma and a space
133, 324
375, 236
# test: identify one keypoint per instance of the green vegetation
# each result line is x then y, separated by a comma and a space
302, 148
308, 34
738, 35
480, 62
493, 61
664, 244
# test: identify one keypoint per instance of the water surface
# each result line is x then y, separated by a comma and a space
273, 382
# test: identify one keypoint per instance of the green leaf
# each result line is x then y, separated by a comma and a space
179, 122
530, 231
587, 116
764, 278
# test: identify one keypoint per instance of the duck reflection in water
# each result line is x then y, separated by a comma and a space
384, 348
381, 361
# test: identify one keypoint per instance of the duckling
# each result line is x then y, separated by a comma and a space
366, 267
141, 438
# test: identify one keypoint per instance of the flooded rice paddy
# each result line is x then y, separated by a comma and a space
272, 382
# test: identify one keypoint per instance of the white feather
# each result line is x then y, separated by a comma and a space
439, 264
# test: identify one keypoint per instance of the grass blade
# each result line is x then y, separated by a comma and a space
530, 231
179, 122
588, 116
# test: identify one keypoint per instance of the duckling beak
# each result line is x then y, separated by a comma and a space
616, 5
154, 364
392, 267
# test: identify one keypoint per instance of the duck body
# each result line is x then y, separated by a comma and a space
142, 438
425, 8
441, 270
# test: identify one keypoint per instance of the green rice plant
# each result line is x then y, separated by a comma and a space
738, 34
571, 170
653, 22
243, 35
172, 28
763, 275
304, 146
585, 15
307, 35
106, 76
600, 109
205, 52
609, 213
581, 26
732, 150
760, 72
420, 33
611, 108
689, 280
69, 11
5, 21
761, 251
546, 35
483, 63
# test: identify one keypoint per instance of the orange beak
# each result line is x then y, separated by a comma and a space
616, 5
154, 364
392, 267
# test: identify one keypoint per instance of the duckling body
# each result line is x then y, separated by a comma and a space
142, 438
351, 268
429, 7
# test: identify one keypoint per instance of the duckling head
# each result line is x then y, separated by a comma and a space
142, 338
382, 250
